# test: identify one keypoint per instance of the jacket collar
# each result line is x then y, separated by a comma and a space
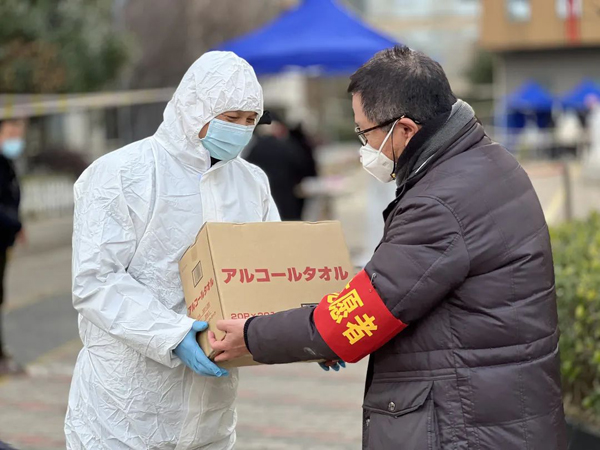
464, 140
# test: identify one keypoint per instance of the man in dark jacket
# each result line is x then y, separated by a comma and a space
11, 146
286, 164
457, 305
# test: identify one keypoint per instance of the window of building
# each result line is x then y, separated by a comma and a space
465, 7
562, 8
518, 10
412, 8
429, 8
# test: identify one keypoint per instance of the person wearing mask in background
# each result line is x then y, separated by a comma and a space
457, 305
12, 143
141, 380
286, 164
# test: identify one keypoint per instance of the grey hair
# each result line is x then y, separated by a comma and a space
400, 81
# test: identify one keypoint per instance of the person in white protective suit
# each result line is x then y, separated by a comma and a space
141, 380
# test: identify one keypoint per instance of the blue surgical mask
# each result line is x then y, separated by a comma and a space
225, 141
13, 148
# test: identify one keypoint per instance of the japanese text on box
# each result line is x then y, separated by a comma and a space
291, 274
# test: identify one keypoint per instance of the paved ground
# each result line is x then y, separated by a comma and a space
291, 407
288, 407
549, 182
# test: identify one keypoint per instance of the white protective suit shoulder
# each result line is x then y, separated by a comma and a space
136, 211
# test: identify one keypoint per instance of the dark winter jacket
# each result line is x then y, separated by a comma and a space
10, 197
286, 165
464, 354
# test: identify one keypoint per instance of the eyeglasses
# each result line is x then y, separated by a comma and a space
361, 133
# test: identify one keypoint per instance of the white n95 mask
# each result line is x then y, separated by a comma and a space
376, 163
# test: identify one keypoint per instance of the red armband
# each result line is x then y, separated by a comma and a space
356, 322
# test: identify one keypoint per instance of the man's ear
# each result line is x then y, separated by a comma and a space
408, 129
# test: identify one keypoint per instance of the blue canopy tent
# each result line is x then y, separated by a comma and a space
318, 34
319, 37
531, 99
576, 97
529, 102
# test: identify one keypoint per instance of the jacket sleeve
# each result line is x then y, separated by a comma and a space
423, 258
104, 243
286, 337
9, 221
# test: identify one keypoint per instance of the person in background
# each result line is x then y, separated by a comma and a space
457, 306
592, 162
12, 144
286, 162
568, 134
5, 446
141, 380
299, 135
307, 144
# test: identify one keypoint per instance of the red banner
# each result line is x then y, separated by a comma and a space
572, 23
356, 321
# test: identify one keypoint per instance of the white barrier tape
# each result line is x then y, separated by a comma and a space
23, 105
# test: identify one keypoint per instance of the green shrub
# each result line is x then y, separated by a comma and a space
576, 248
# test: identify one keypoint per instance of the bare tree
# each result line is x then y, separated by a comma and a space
171, 35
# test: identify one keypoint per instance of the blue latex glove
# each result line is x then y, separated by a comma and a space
192, 355
335, 365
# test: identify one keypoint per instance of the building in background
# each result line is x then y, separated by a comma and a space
553, 42
448, 30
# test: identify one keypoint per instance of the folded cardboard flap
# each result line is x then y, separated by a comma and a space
237, 271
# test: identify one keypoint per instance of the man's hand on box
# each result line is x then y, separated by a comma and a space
233, 345
335, 365
192, 355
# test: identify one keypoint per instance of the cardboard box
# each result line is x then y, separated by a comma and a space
237, 271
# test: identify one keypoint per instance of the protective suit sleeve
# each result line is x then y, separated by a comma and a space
271, 213
104, 243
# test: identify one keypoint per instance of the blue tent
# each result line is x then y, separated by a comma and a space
577, 96
317, 34
530, 97
530, 102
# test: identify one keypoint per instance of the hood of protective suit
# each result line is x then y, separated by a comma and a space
137, 210
216, 83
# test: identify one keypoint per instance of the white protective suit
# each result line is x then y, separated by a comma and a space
136, 211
